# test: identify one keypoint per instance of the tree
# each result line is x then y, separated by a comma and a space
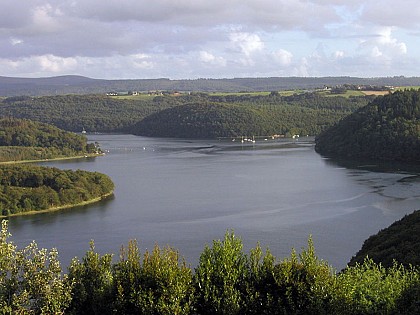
31, 279
93, 282
220, 278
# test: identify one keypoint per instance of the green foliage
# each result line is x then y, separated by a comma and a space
159, 284
22, 139
220, 277
201, 116
31, 280
247, 115
400, 242
93, 280
386, 129
94, 113
304, 284
81, 85
370, 288
26, 188
226, 281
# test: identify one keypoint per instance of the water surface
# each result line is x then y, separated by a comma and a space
186, 193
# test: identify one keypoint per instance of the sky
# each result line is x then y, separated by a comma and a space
189, 39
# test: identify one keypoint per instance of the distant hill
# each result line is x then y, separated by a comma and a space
306, 113
10, 86
236, 116
203, 120
386, 129
400, 241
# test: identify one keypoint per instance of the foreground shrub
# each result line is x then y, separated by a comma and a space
370, 288
93, 280
157, 284
300, 284
31, 280
221, 277
226, 281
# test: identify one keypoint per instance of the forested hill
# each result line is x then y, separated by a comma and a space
227, 116
204, 121
306, 113
10, 86
400, 242
75, 112
22, 139
386, 129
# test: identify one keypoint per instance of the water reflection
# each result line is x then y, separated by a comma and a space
186, 193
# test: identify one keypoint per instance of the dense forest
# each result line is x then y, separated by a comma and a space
25, 188
248, 115
400, 242
72, 84
210, 120
226, 281
307, 113
22, 139
94, 113
386, 129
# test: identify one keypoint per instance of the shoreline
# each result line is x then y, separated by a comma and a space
89, 155
68, 206
54, 209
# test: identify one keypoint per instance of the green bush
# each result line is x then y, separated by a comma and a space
370, 288
31, 279
93, 282
226, 281
157, 284
221, 276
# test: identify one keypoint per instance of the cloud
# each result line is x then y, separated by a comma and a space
246, 43
184, 38
283, 57
211, 59
16, 41
404, 14
54, 64
383, 44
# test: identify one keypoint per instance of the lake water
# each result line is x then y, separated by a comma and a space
186, 193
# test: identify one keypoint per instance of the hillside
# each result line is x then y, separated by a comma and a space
400, 242
22, 139
247, 115
72, 84
203, 121
94, 113
386, 129
306, 113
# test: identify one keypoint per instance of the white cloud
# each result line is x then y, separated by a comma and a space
185, 38
16, 41
54, 64
386, 39
384, 45
141, 61
376, 53
247, 43
339, 54
211, 59
283, 57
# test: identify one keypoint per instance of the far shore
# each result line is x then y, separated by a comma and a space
88, 155
53, 209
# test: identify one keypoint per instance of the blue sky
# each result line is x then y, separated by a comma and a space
188, 39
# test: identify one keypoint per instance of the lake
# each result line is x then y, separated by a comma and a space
186, 193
